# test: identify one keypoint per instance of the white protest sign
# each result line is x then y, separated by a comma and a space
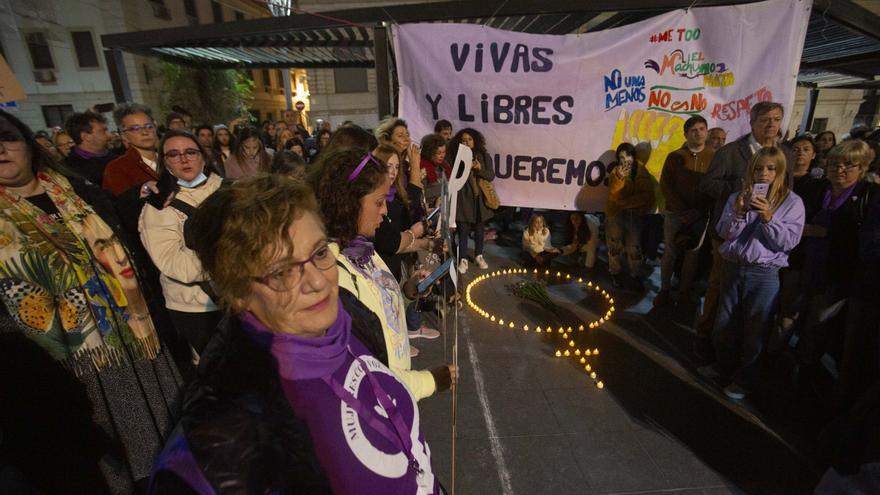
461, 170
553, 108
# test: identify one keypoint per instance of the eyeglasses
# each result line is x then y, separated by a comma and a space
290, 274
174, 155
844, 165
138, 128
12, 141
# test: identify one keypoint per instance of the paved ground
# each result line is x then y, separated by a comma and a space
531, 423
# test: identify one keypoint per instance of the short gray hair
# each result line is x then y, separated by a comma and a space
127, 109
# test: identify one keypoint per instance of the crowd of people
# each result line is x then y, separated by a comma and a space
231, 306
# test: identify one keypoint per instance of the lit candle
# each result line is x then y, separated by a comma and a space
571, 343
568, 329
525, 328
577, 352
561, 330
567, 277
600, 384
593, 375
511, 325
565, 336
589, 284
558, 274
596, 351
583, 360
567, 353
537, 329
580, 328
588, 368
580, 280
587, 352
492, 318
558, 353
501, 322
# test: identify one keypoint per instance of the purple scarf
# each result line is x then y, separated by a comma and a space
391, 193
306, 358
829, 203
89, 155
359, 251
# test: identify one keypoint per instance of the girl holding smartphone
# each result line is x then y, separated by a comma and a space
760, 226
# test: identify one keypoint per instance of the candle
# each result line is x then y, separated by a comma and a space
570, 342
600, 385
596, 351
577, 352
588, 368
567, 353
593, 375
583, 360
525, 328
558, 353
538, 329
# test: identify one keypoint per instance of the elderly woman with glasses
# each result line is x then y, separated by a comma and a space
182, 170
294, 394
836, 208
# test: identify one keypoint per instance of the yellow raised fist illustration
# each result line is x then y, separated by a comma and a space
664, 132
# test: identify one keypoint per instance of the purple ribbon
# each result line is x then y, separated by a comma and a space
357, 171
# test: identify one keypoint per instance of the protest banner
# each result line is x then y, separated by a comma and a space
553, 108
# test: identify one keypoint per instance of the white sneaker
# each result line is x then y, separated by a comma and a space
481, 262
462, 266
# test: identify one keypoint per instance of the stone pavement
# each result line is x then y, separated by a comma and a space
531, 423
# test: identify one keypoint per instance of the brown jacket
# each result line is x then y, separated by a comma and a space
126, 172
680, 179
630, 194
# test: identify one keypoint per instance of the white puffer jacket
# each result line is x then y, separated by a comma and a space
162, 234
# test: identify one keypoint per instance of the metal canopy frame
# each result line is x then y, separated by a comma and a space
842, 47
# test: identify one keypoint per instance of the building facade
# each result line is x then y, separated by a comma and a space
54, 50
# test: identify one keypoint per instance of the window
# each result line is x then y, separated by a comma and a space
267, 83
192, 15
280, 74
217, 11
84, 45
41, 56
819, 125
239, 15
54, 115
350, 80
160, 11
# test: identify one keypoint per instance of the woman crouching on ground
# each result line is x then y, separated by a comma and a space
293, 395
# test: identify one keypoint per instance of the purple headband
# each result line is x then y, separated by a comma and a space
357, 171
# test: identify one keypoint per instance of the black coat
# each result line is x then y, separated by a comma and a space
845, 259
89, 168
239, 426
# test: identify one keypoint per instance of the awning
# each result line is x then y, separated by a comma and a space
842, 47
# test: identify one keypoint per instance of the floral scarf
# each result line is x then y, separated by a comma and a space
69, 283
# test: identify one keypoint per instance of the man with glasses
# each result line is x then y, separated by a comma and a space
91, 151
138, 165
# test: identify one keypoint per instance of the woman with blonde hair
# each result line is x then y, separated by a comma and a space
536, 242
760, 226
836, 209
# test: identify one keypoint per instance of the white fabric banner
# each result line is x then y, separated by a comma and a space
553, 108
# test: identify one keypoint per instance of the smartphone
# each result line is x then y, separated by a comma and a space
760, 190
441, 270
431, 219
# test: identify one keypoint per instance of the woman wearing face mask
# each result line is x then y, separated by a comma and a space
630, 198
760, 226
193, 312
352, 189
250, 156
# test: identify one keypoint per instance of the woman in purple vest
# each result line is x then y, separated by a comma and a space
293, 393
